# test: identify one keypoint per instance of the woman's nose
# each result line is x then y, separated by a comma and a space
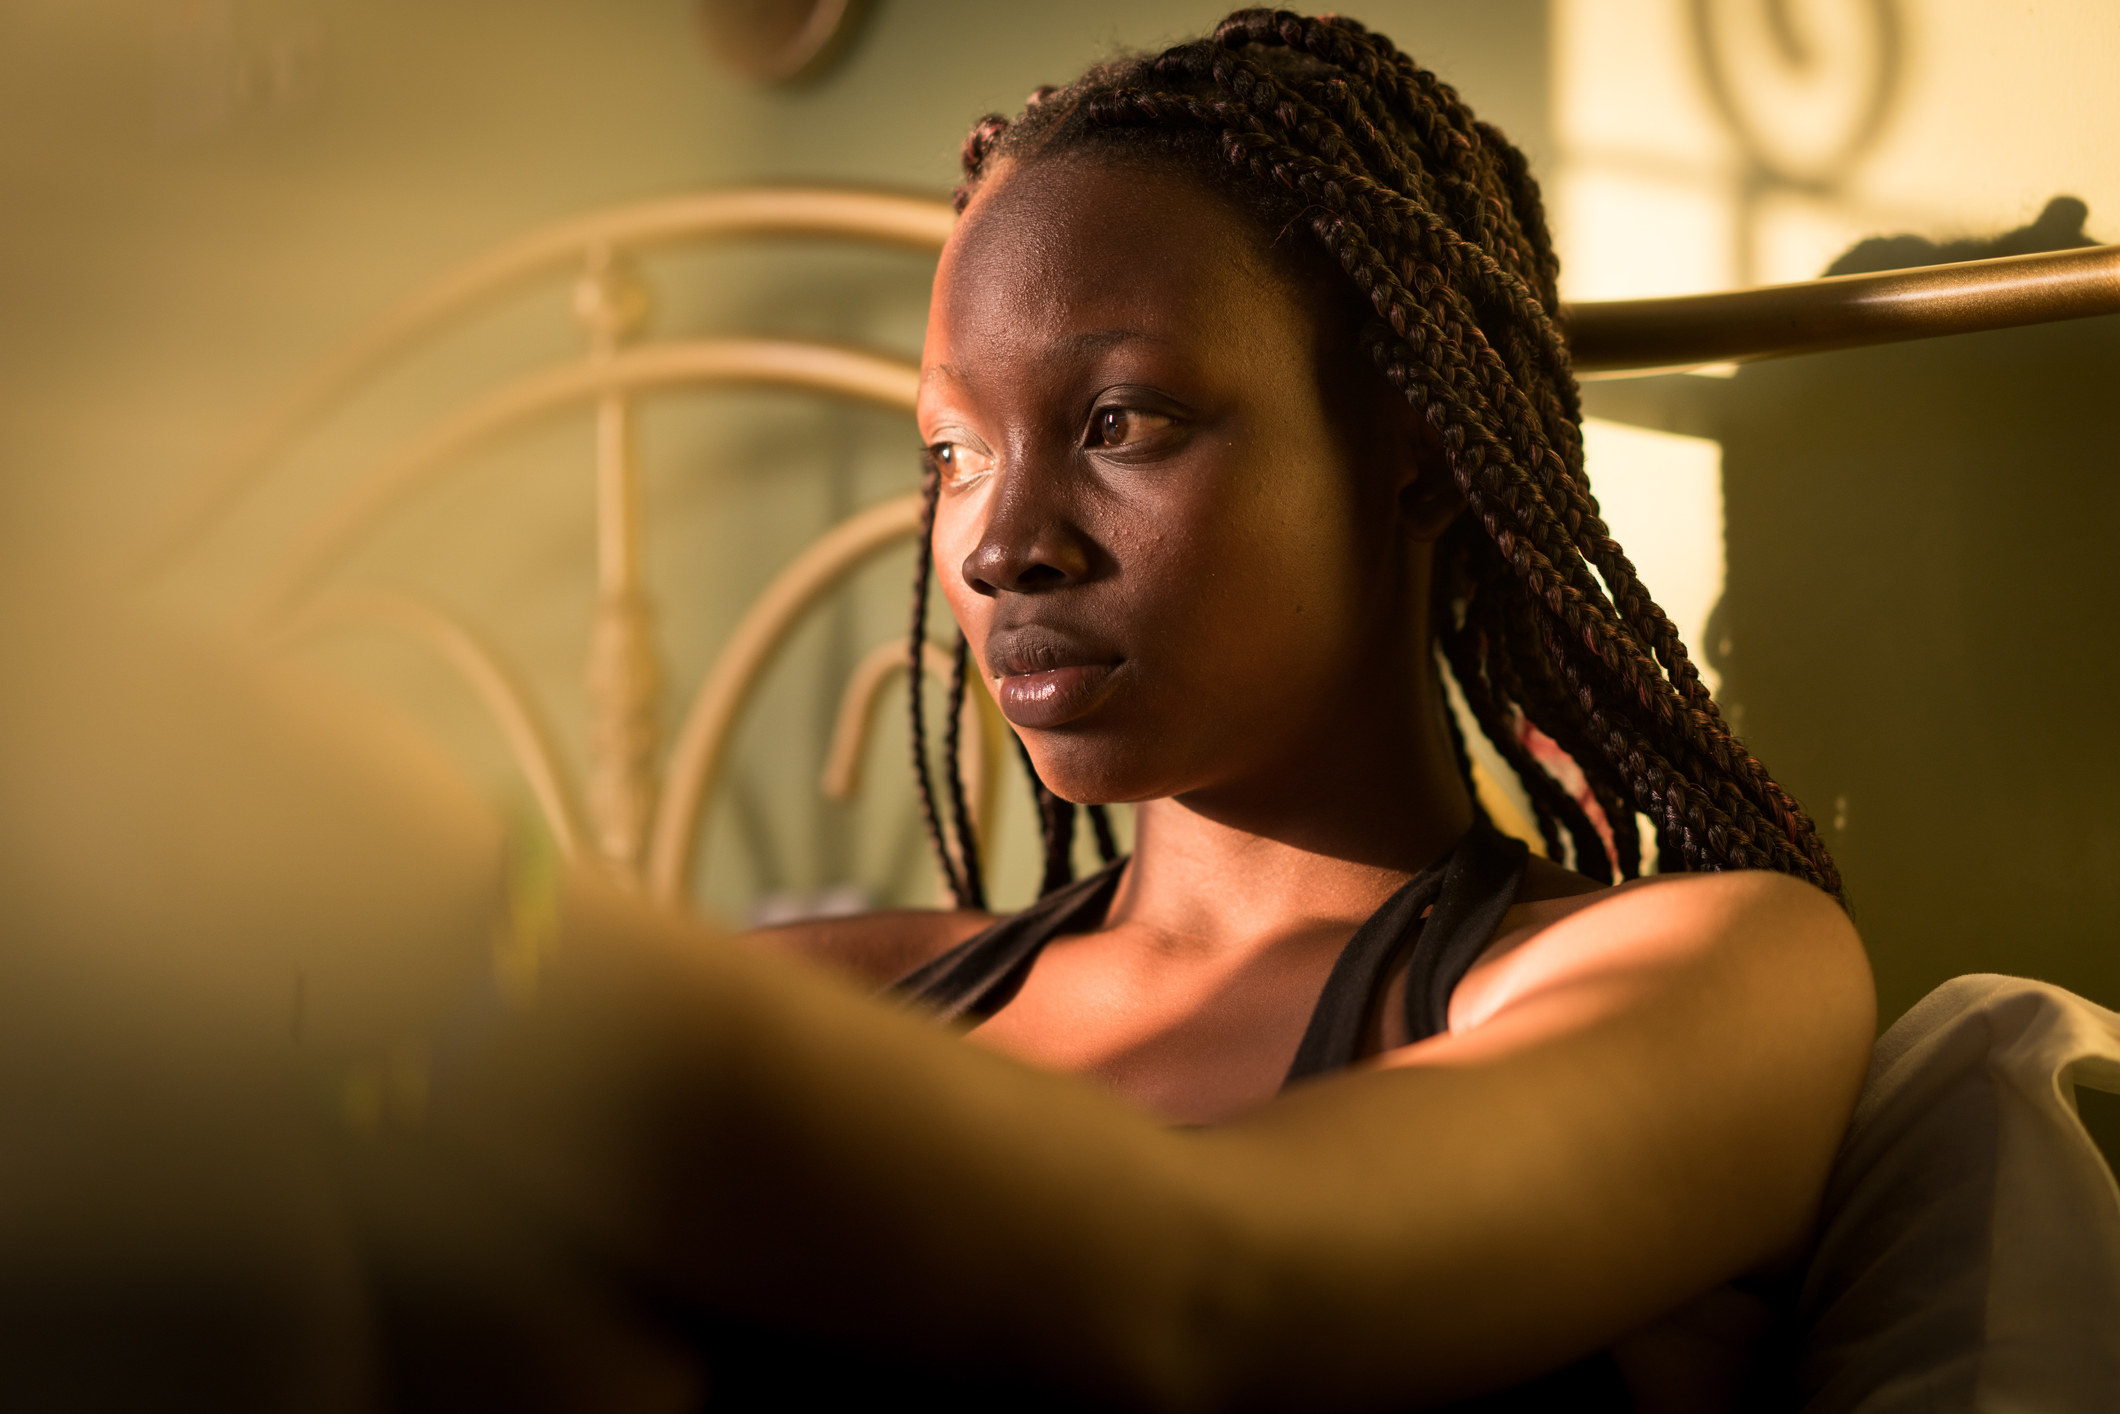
1030, 544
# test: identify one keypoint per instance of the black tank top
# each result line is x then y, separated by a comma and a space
1434, 926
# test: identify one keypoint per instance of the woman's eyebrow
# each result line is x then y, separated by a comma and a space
1088, 343
1096, 341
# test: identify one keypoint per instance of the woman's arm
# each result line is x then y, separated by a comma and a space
1647, 1107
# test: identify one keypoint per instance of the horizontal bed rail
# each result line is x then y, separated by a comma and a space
1844, 311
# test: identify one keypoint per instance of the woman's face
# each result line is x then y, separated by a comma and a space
1171, 508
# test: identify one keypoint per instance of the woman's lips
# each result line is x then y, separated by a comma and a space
1053, 696
1045, 674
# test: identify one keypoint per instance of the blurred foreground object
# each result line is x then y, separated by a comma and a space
287, 1125
217, 899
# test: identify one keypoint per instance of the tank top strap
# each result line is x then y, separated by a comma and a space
1486, 873
1436, 924
1334, 1036
982, 974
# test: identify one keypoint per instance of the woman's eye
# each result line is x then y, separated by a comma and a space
1121, 427
958, 462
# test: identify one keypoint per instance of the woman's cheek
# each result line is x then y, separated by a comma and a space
949, 549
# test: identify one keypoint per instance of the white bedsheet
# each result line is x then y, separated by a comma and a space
1969, 1256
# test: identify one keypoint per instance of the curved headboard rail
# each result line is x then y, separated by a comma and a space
513, 711
821, 368
888, 218
709, 722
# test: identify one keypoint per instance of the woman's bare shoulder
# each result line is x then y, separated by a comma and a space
1697, 1041
1747, 920
1545, 881
878, 948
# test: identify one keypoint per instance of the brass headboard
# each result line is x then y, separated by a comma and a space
641, 815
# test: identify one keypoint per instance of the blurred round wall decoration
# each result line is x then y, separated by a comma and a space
778, 41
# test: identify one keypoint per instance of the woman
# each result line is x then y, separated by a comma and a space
1244, 404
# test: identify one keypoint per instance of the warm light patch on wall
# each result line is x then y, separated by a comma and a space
1662, 495
1627, 234
1705, 144
1641, 203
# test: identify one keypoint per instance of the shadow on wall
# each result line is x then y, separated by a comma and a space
1918, 631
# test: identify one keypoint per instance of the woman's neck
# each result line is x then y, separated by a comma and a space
1325, 842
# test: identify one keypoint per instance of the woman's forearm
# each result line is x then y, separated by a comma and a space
773, 1146
317, 979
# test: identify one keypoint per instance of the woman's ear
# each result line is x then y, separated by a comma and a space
1428, 495
1388, 432
1430, 501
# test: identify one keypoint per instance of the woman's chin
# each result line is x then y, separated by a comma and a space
1100, 768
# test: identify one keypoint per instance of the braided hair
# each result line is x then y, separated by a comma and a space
1321, 130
